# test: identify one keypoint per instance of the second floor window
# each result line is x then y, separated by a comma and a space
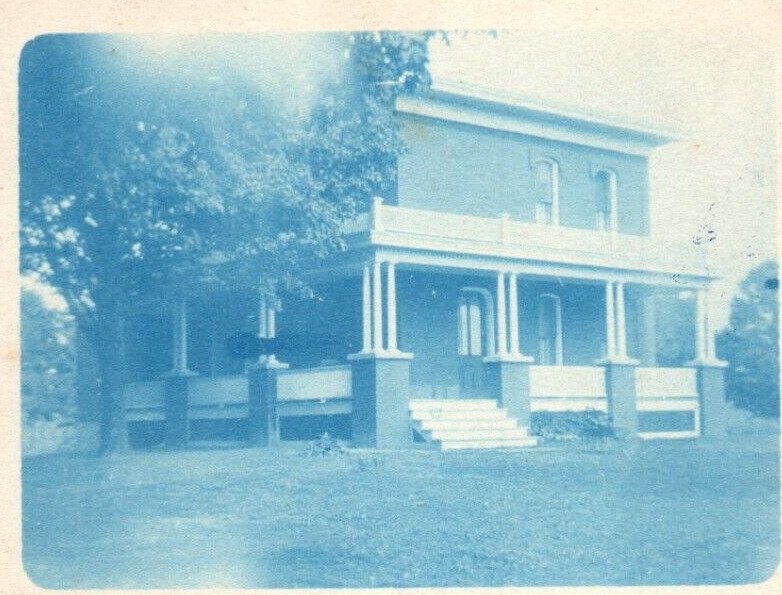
547, 186
606, 199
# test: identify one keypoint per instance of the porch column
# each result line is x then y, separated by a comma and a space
262, 318
709, 331
267, 329
649, 340
391, 305
621, 325
701, 354
380, 376
502, 339
377, 309
366, 313
177, 381
271, 323
263, 420
714, 409
513, 312
619, 369
610, 322
179, 336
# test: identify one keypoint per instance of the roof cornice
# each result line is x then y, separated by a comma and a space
498, 110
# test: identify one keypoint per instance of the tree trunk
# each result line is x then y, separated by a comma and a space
110, 348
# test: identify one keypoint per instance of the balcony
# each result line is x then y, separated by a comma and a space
502, 237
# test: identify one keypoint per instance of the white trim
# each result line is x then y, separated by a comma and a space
558, 344
553, 187
621, 323
701, 353
377, 308
179, 338
567, 382
452, 233
271, 323
513, 313
463, 325
668, 435
488, 318
521, 125
661, 383
612, 224
610, 322
502, 339
504, 97
262, 317
332, 382
366, 312
442, 259
391, 306
562, 404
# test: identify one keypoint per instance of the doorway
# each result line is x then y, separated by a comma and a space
549, 330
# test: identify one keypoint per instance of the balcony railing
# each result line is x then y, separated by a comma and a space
502, 236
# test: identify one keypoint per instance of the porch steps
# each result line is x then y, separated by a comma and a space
467, 424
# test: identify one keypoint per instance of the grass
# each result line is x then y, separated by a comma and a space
677, 512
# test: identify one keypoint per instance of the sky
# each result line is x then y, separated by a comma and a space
716, 93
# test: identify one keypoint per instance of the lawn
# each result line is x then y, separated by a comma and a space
676, 512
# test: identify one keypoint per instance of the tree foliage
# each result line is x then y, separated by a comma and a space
48, 359
674, 327
136, 181
751, 343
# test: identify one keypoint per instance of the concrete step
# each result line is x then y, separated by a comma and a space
461, 415
484, 444
448, 435
452, 404
467, 423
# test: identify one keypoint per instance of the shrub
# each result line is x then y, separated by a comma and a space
325, 445
571, 425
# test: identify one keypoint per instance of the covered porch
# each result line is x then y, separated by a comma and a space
428, 305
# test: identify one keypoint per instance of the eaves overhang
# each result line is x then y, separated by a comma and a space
495, 110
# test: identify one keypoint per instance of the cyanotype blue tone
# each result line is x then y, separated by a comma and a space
341, 325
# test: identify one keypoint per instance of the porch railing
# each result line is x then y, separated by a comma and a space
666, 391
144, 400
217, 397
333, 382
567, 388
227, 396
529, 240
559, 243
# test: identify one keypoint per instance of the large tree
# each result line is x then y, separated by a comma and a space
137, 179
750, 343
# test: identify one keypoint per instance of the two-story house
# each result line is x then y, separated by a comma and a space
512, 272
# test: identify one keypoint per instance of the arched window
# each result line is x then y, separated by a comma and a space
606, 200
547, 184
476, 320
550, 330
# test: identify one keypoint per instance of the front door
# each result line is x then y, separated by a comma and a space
472, 343
549, 330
